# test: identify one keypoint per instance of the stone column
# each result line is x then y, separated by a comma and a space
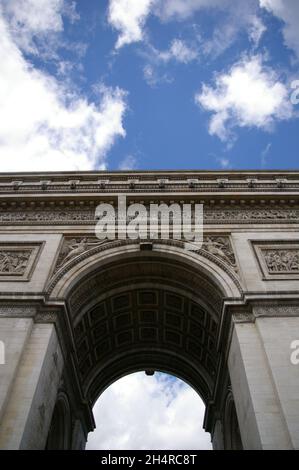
36, 370
254, 370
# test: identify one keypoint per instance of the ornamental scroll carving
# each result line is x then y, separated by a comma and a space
17, 261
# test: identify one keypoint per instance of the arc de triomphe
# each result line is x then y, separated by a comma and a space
76, 314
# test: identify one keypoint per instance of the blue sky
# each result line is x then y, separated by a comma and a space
121, 84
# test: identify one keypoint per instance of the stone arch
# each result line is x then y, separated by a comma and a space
59, 436
77, 268
232, 436
133, 307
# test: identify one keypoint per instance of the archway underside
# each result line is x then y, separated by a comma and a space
134, 316
165, 329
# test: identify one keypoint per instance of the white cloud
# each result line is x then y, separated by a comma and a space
264, 154
128, 18
178, 51
224, 162
256, 29
249, 95
182, 9
142, 412
288, 12
153, 77
239, 16
35, 20
44, 125
128, 163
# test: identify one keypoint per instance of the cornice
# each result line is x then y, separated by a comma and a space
70, 188
156, 182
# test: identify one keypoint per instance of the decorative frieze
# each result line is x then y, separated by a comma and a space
276, 310
17, 311
85, 215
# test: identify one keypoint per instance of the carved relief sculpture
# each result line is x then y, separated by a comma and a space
278, 260
13, 262
76, 246
17, 261
282, 261
220, 247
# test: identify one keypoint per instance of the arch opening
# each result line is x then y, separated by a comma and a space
149, 411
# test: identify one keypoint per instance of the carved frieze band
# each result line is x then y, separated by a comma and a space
16, 311
276, 310
278, 260
86, 215
17, 261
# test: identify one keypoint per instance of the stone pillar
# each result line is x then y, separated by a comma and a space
264, 383
79, 436
217, 438
277, 334
36, 370
14, 333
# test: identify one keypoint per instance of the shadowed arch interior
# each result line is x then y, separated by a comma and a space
146, 313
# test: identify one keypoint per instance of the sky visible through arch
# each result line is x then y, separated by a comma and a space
148, 84
149, 412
